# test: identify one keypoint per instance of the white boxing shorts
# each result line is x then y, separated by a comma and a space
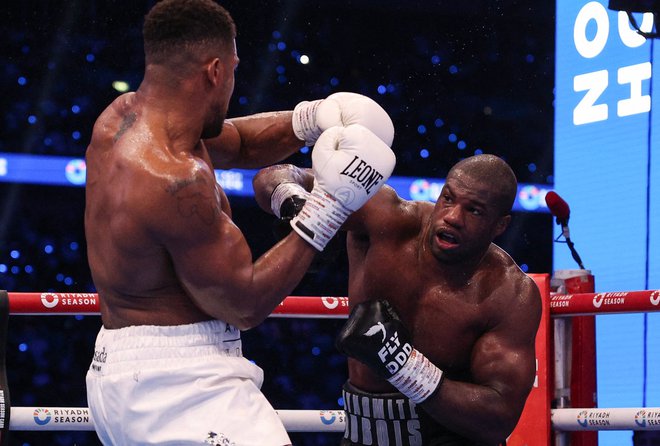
179, 385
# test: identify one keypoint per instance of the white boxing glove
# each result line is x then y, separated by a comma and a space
350, 165
311, 118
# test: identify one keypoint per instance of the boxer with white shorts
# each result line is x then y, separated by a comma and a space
196, 371
166, 258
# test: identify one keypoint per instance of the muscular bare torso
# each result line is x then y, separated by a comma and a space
131, 165
445, 312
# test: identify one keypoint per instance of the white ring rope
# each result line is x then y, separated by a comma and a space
79, 419
630, 418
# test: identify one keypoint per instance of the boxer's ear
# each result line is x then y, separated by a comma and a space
214, 71
501, 225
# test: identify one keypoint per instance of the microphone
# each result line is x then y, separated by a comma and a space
561, 211
558, 207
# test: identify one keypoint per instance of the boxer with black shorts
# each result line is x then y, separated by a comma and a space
441, 334
175, 276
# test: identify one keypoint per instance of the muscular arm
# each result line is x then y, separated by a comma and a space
254, 141
371, 213
212, 259
502, 368
266, 180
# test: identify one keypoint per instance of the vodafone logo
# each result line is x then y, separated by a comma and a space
327, 420
41, 416
655, 297
640, 418
49, 300
598, 300
609, 299
332, 303
582, 418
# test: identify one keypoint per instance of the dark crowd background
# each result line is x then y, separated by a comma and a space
458, 78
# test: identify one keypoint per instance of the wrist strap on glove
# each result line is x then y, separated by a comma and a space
418, 378
284, 191
304, 122
320, 218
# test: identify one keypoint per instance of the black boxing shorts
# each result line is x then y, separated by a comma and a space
391, 419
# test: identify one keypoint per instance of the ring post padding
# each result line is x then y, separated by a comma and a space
5, 405
533, 427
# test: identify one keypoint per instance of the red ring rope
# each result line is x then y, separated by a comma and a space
598, 303
47, 303
337, 307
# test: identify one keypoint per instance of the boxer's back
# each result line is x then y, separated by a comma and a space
127, 177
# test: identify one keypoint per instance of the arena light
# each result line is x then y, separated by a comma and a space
121, 86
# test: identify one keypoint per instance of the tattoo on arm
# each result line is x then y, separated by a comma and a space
126, 124
204, 205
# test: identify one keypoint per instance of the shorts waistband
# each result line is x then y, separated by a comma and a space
373, 419
154, 342
386, 406
199, 333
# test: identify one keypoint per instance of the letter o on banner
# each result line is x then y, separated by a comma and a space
591, 48
630, 37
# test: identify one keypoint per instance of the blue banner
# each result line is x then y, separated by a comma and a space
61, 171
607, 167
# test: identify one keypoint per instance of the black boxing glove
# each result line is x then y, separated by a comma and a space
375, 336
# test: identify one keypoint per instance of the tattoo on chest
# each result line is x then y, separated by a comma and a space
126, 124
204, 205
